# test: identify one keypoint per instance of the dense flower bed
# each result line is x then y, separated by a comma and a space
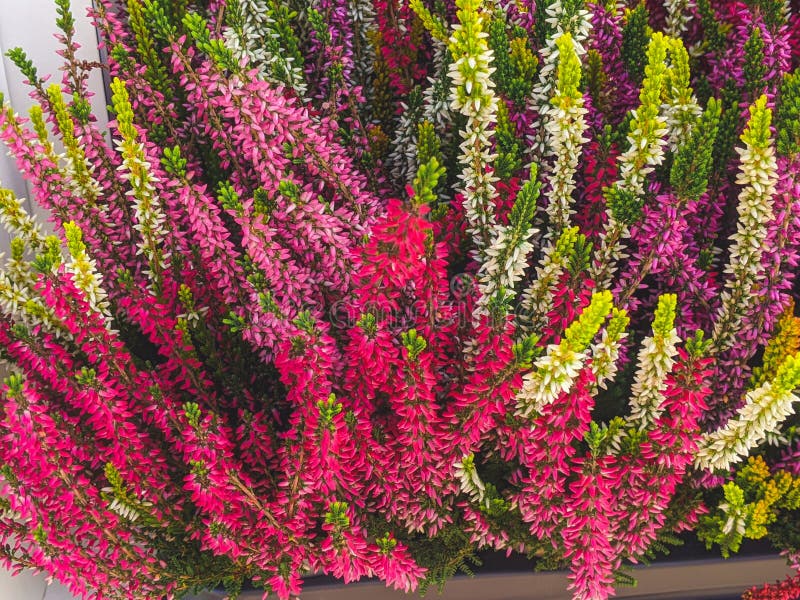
365, 287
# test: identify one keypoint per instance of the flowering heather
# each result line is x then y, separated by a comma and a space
366, 288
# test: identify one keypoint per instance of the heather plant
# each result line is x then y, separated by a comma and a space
365, 288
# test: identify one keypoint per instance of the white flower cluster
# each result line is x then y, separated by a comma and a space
681, 110
578, 26
679, 13
655, 361
565, 126
403, 157
435, 97
472, 94
605, 352
18, 298
16, 219
85, 274
471, 483
765, 408
537, 299
644, 153
17, 294
506, 261
362, 15
758, 177
256, 39
556, 371
552, 375
150, 219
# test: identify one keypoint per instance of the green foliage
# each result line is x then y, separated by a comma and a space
758, 134
446, 554
146, 46
714, 28
25, 65
283, 24
581, 331
752, 503
662, 545
729, 123
526, 351
228, 197
80, 109
192, 412
50, 257
425, 182
579, 256
235, 322
368, 324
524, 210
328, 409
306, 322
263, 204
197, 28
414, 343
568, 72
509, 145
428, 144
318, 25
784, 342
336, 515
14, 383
162, 18
17, 249
787, 115
755, 68
74, 237
173, 162
625, 205
698, 346
774, 12
514, 61
595, 80
691, 166
64, 19
635, 38
435, 25
122, 501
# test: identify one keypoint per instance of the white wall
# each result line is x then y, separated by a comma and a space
30, 24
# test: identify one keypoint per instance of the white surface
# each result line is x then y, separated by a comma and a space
30, 24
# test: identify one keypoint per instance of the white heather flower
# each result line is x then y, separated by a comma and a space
436, 96
537, 299
758, 177
578, 25
553, 374
556, 371
403, 157
467, 475
646, 141
506, 258
472, 94
679, 13
765, 408
565, 126
605, 352
255, 37
655, 361
85, 274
